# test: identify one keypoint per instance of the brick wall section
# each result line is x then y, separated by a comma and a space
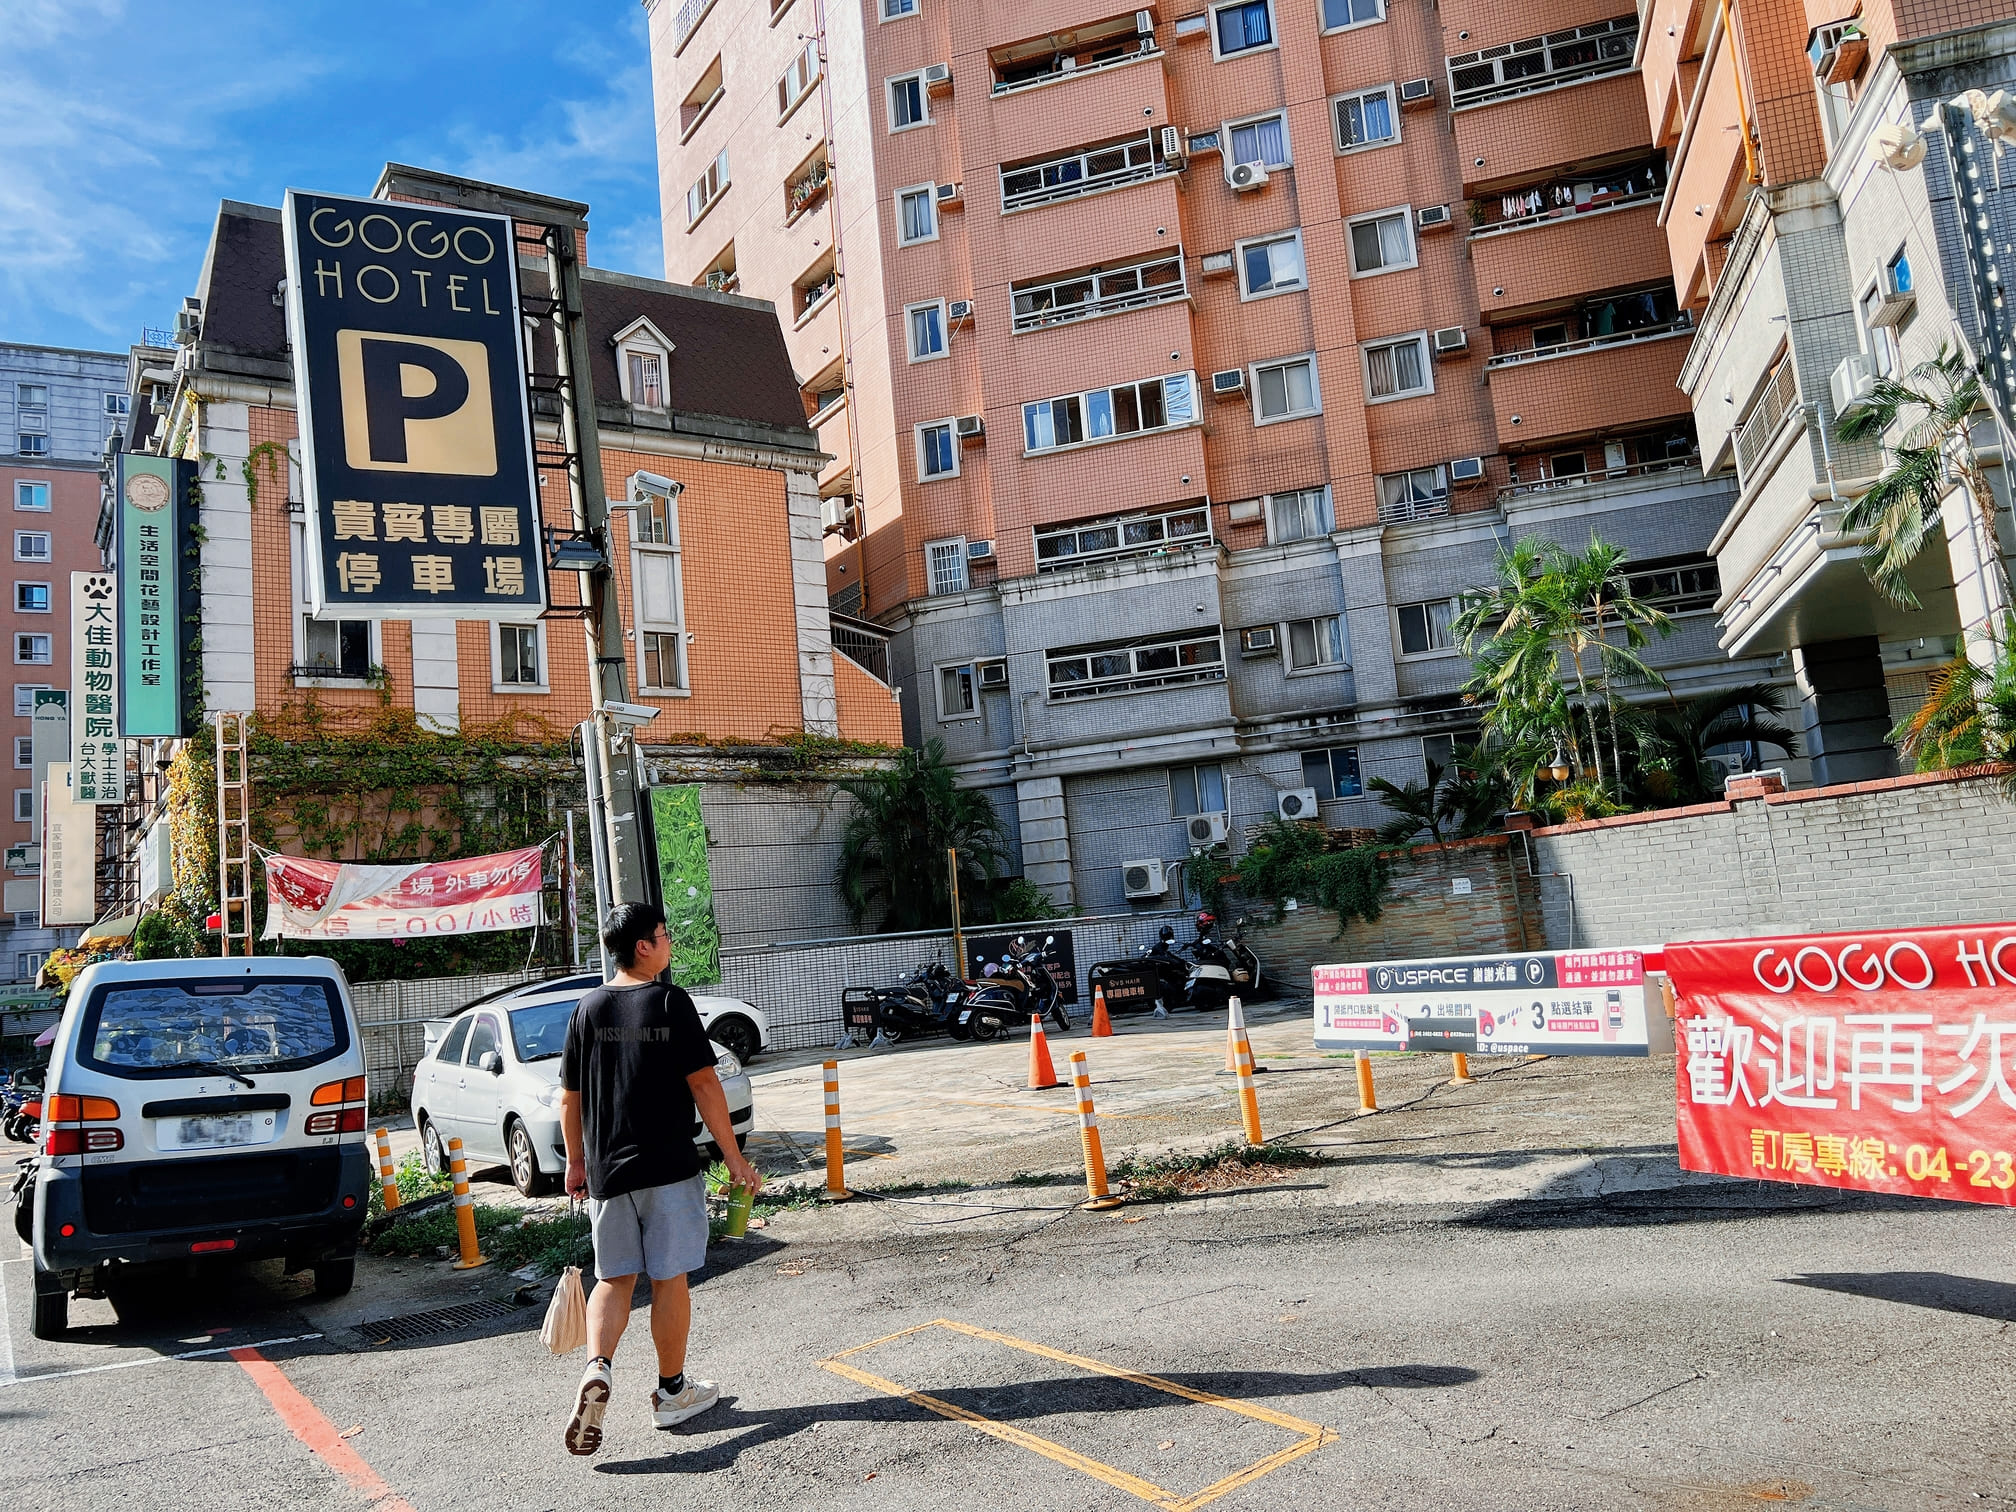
868, 710
1586, 392
1782, 99
1424, 915
1933, 849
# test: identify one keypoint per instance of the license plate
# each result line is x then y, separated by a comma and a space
952, 997
214, 1132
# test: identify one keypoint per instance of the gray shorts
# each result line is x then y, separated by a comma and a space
660, 1231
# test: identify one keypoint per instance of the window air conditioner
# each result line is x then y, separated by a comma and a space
1466, 470
970, 427
1895, 303
1428, 217
1851, 385
1297, 803
1172, 146
1243, 511
979, 551
1451, 339
1228, 382
959, 309
1246, 176
938, 78
1217, 264
1206, 829
1144, 879
1416, 92
1144, 23
994, 674
1261, 640
951, 194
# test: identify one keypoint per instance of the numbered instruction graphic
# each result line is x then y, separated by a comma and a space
1564, 1002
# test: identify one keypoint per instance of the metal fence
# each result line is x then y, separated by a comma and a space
391, 1015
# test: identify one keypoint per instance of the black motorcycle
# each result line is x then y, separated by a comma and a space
925, 1003
1203, 975
1012, 992
20, 1110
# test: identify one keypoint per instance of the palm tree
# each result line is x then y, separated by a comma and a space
1935, 403
1519, 620
1680, 737
892, 850
1595, 585
1461, 798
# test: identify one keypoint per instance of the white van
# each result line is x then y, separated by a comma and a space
210, 1109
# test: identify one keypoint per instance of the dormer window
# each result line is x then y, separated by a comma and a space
643, 359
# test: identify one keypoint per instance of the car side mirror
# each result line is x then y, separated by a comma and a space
490, 1061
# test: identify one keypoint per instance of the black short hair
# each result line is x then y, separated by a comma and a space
628, 926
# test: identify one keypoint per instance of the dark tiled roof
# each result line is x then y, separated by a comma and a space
242, 271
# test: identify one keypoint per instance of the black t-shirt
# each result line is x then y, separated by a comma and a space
629, 1051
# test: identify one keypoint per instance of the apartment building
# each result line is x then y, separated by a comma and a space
57, 406
1816, 234
1179, 366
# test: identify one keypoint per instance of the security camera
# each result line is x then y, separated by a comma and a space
645, 485
630, 715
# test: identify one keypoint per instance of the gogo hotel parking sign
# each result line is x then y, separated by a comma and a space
1564, 1002
417, 445
1879, 1060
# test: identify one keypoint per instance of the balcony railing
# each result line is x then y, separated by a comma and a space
866, 645
1127, 162
1069, 68
1678, 325
1400, 511
1535, 63
803, 193
689, 16
1779, 400
1105, 292
1552, 213
1600, 475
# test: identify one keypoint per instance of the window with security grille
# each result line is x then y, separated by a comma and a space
946, 563
1367, 119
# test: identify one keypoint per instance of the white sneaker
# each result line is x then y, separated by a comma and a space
584, 1429
695, 1397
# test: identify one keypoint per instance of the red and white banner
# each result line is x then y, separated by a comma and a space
331, 900
1878, 1059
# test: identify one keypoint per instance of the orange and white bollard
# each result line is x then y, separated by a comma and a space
836, 1183
1249, 1100
1102, 1024
465, 1211
1459, 1064
1367, 1101
387, 1182
1098, 1197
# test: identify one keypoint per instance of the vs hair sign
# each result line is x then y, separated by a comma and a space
409, 367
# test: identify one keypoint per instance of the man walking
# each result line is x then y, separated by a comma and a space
636, 1065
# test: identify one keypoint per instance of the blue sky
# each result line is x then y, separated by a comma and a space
125, 124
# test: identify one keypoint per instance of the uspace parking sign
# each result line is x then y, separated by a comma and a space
1556, 1002
416, 452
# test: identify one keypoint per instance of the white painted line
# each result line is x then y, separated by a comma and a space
7, 1377
193, 1354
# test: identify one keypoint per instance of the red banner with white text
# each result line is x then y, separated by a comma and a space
1877, 1059
332, 900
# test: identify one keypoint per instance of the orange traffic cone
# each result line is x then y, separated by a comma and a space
1102, 1026
1041, 1073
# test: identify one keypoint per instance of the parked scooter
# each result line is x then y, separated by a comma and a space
925, 1003
20, 1110
1203, 974
1016, 991
1239, 958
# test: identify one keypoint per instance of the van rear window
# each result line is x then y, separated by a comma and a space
192, 1024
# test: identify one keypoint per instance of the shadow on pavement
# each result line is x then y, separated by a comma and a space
1691, 1198
1948, 1293
1022, 1401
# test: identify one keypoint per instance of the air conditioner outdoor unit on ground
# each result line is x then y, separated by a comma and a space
1144, 879
1217, 264
1172, 146
1206, 829
959, 309
833, 514
970, 427
1245, 176
979, 551
1466, 470
951, 194
994, 674
1417, 92
1229, 381
1297, 803
1428, 217
938, 78
1451, 339
1851, 384
1261, 640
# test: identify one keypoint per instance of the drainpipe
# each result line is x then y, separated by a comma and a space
1742, 96
833, 227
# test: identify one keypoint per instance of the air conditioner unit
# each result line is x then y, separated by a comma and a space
994, 674
1206, 829
1144, 879
835, 513
1297, 803
938, 78
1451, 339
1466, 470
1243, 511
1144, 23
959, 309
1172, 147
979, 551
1217, 264
951, 194
1246, 176
1851, 385
1260, 640
1429, 217
1417, 92
1895, 302
970, 427
1228, 382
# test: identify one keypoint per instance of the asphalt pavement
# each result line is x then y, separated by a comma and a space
1502, 1296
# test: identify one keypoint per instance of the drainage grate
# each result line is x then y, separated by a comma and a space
443, 1320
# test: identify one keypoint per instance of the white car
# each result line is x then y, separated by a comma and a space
491, 1077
